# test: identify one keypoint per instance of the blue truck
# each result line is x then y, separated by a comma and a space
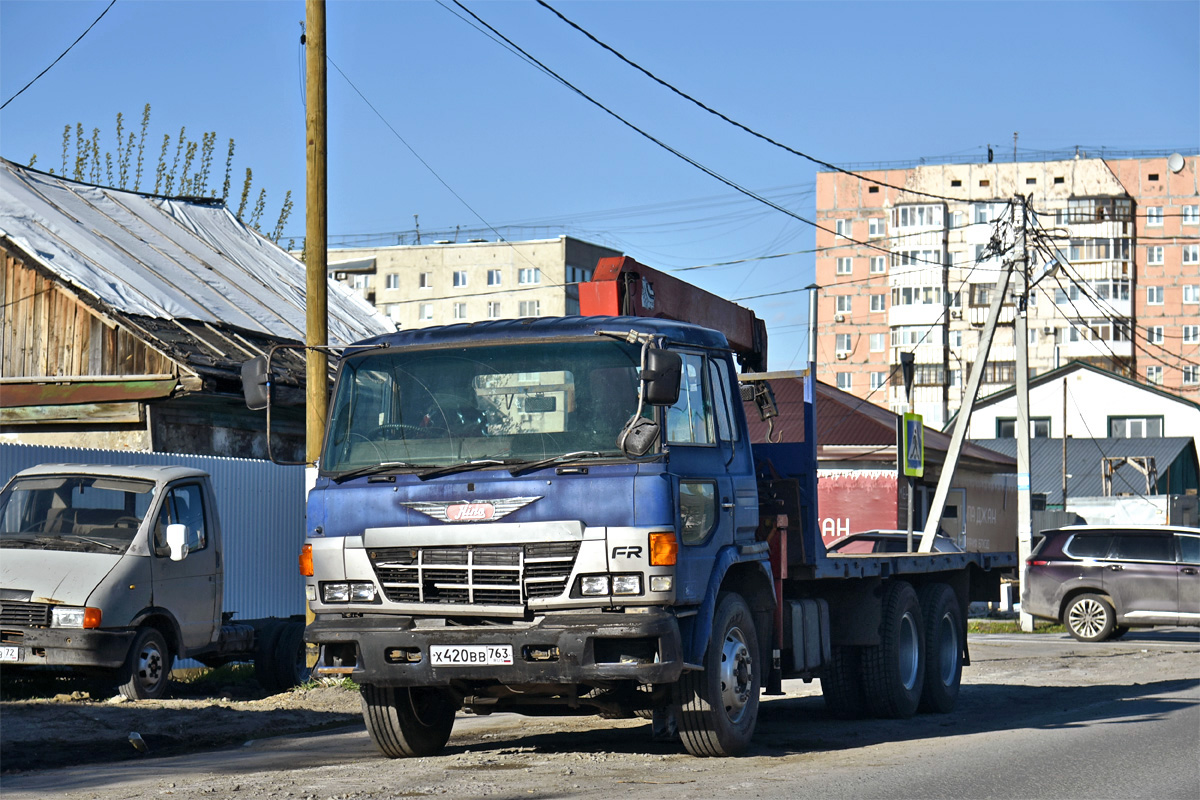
568, 516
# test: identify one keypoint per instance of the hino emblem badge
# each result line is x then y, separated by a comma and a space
472, 510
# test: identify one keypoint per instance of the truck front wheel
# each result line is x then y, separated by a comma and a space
147, 668
408, 722
717, 708
894, 670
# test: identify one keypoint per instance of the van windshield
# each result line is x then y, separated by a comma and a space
506, 403
69, 512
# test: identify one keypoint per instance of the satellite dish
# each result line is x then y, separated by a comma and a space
1175, 162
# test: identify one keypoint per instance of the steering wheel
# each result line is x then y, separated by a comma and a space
126, 522
395, 430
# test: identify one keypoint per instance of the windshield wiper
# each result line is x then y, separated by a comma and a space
534, 466
373, 469
467, 466
95, 542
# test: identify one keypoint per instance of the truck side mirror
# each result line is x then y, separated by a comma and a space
177, 541
661, 377
256, 383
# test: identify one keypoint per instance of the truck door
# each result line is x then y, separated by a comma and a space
699, 473
188, 588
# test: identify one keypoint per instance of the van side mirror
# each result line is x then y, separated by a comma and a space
661, 377
256, 383
177, 541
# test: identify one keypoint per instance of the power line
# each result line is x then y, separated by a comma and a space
706, 170
60, 58
734, 122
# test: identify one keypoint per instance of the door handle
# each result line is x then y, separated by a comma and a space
728, 506
1188, 571
1116, 567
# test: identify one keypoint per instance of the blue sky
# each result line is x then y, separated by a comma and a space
847, 82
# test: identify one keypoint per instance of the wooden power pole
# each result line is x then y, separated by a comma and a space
315, 233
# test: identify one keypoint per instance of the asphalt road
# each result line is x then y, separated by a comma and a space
1040, 716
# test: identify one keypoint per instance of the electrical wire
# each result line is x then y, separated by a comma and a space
60, 58
734, 122
706, 170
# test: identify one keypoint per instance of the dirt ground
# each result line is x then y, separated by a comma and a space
84, 723
89, 726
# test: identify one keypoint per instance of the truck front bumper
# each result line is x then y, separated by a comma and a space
565, 648
70, 647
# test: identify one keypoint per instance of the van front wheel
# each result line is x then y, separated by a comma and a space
147, 668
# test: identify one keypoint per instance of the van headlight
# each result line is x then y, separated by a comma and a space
69, 617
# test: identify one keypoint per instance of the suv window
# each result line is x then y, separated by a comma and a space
1142, 547
1088, 545
1189, 548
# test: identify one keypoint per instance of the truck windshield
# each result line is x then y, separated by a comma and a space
507, 403
67, 512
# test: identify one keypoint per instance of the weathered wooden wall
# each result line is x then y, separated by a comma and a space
48, 332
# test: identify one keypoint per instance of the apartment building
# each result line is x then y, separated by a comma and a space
443, 283
906, 263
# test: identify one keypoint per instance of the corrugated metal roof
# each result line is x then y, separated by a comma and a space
168, 258
1084, 457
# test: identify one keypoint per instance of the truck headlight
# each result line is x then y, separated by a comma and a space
362, 592
590, 585
627, 584
66, 617
335, 592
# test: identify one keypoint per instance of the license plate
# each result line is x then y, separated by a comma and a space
471, 655
8, 653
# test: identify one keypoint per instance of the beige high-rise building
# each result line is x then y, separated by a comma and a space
444, 283
910, 269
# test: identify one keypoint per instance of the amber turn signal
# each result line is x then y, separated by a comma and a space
91, 617
664, 549
306, 565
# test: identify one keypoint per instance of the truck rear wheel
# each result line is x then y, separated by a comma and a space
408, 722
943, 648
894, 670
717, 708
264, 655
147, 669
841, 683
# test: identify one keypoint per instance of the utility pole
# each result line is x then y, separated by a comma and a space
1021, 335
316, 335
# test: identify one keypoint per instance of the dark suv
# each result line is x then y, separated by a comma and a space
1102, 581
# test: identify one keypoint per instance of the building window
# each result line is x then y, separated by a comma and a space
1191, 215
460, 278
842, 343
1154, 334
425, 311
845, 266
878, 265
531, 308
981, 293
1033, 336
1191, 294
493, 309
843, 304
918, 216
956, 338
460, 310
425, 280
493, 277
529, 275
878, 379
1135, 427
878, 342
1154, 295
1191, 375
1191, 334
842, 227
1154, 216
1154, 375
879, 302
392, 281
1000, 372
1039, 427
983, 213
1191, 254
844, 381
876, 227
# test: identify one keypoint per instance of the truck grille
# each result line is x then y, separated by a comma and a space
499, 575
25, 615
